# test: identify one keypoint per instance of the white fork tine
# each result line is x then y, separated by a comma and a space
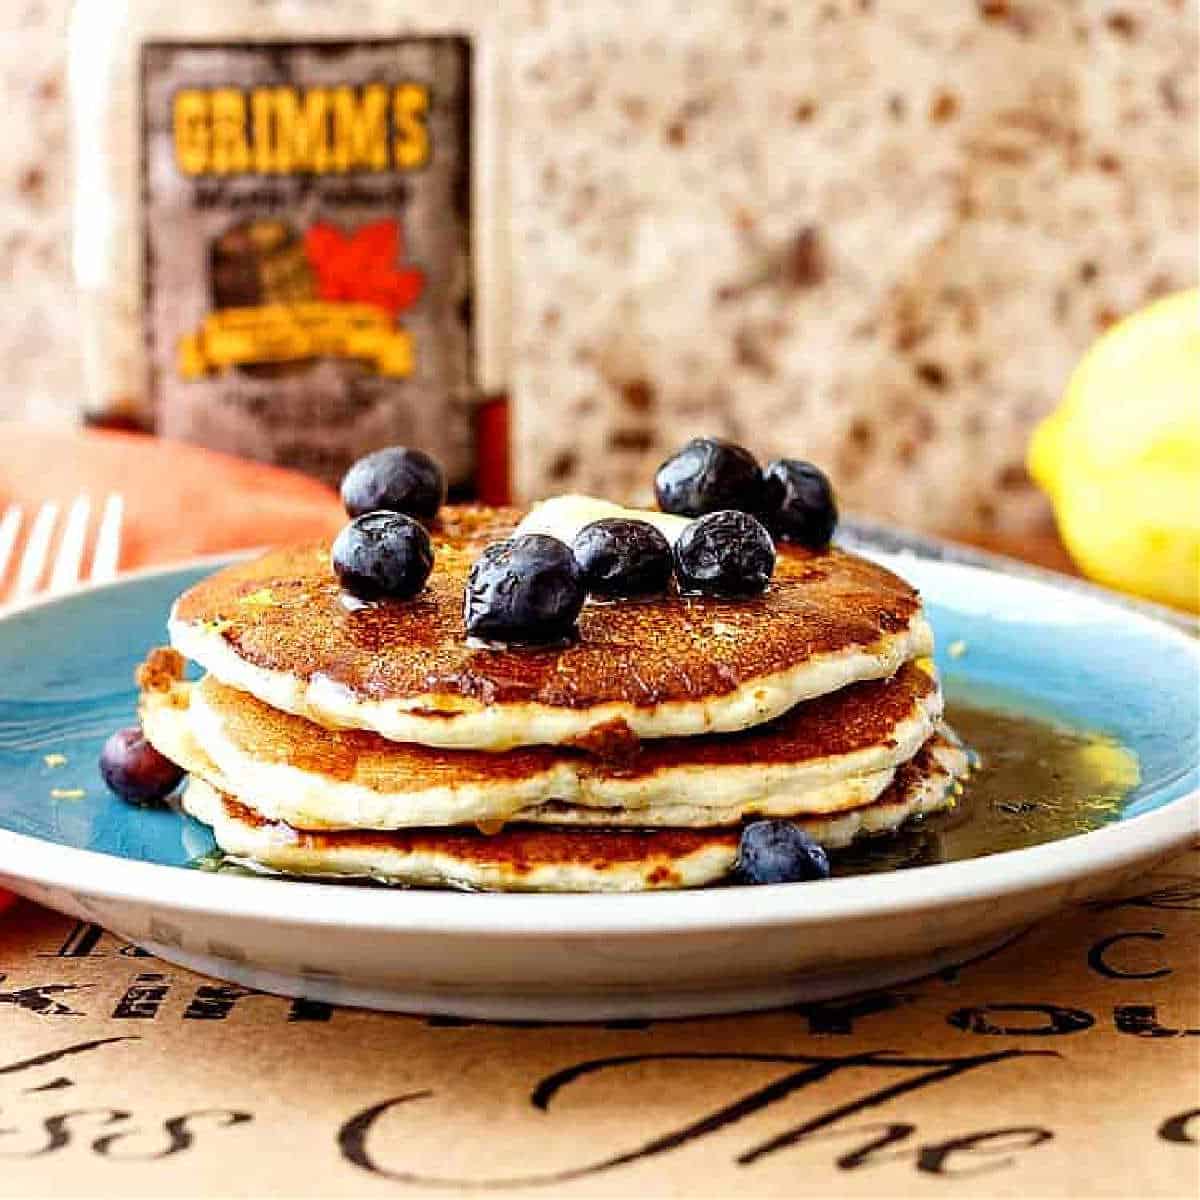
37, 550
70, 549
108, 540
10, 526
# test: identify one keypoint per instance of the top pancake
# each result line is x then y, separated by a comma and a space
280, 629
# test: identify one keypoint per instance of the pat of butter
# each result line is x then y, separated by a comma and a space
564, 516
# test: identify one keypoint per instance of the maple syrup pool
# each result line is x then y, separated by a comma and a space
1038, 778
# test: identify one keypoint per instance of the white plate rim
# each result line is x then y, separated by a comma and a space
1139, 839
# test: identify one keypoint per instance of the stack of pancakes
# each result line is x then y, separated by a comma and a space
339, 739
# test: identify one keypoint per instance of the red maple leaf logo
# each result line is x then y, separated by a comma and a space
360, 267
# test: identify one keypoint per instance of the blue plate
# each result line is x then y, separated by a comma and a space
66, 682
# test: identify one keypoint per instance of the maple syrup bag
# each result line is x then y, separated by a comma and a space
279, 238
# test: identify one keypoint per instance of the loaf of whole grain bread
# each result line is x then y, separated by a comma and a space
876, 234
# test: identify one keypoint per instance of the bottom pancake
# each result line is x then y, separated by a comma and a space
547, 859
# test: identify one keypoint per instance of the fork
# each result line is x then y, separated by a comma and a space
72, 546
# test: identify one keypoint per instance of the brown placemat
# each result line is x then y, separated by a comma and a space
1067, 1064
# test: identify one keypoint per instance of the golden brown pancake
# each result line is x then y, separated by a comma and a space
856, 718
836, 752
523, 858
279, 627
517, 859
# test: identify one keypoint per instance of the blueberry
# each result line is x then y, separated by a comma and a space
621, 558
799, 502
396, 479
527, 590
778, 852
135, 770
708, 475
383, 554
725, 554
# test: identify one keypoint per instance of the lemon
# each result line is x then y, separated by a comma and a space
1120, 457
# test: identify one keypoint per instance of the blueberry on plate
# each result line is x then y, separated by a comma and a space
724, 554
778, 852
708, 475
383, 555
799, 502
527, 590
623, 558
135, 771
396, 479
